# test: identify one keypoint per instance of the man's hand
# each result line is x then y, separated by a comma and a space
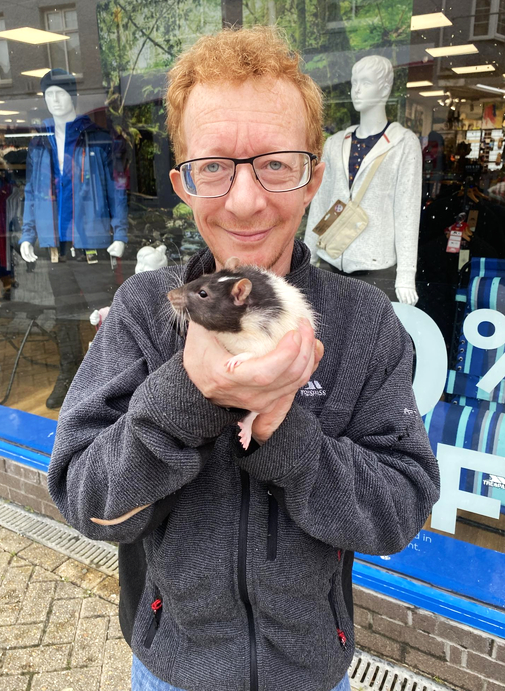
267, 422
257, 384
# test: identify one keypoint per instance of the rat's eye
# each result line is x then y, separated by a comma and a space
202, 293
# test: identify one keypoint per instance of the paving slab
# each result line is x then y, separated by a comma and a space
59, 625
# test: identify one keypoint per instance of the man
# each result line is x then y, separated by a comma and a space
238, 576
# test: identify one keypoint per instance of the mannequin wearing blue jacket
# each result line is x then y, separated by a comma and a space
72, 205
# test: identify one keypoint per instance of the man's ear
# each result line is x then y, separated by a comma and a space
175, 179
240, 291
314, 184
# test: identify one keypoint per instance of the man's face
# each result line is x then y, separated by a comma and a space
367, 91
240, 121
59, 102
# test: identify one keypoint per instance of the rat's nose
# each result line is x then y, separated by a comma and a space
176, 297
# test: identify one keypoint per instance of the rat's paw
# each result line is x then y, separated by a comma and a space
245, 433
237, 360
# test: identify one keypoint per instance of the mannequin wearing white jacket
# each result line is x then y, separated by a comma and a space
393, 199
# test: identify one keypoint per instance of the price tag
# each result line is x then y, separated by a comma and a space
454, 242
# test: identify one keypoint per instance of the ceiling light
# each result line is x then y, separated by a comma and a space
483, 87
37, 73
413, 85
444, 52
20, 120
8, 120
429, 21
9, 112
27, 34
440, 92
473, 68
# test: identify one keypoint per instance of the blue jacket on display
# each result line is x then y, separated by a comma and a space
83, 205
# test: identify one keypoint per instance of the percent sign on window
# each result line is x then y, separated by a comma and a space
471, 330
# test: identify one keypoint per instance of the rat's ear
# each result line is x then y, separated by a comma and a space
240, 291
232, 263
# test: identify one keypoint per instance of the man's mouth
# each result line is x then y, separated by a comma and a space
249, 235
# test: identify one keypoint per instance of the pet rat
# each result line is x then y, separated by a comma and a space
249, 310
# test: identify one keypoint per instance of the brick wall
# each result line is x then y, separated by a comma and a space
454, 654
27, 487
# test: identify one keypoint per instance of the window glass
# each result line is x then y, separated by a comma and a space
5, 67
73, 49
57, 56
70, 19
74, 218
54, 21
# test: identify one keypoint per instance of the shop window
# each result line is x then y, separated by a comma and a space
65, 54
488, 19
5, 65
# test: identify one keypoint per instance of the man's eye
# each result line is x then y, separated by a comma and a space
275, 165
212, 167
202, 293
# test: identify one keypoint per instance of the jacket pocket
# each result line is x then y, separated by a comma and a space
273, 521
332, 598
156, 608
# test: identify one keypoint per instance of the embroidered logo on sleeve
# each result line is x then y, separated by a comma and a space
313, 388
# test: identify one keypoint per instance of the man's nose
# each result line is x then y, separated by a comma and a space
246, 196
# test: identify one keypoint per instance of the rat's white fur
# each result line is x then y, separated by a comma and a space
255, 340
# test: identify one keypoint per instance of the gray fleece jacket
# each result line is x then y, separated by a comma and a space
238, 577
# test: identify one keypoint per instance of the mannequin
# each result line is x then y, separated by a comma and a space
386, 250
75, 210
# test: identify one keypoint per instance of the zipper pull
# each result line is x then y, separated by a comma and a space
156, 606
342, 638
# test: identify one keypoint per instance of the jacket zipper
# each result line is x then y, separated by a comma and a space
242, 576
156, 607
273, 519
340, 633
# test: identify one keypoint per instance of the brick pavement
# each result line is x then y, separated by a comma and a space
59, 628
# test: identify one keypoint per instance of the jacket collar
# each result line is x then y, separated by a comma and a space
391, 137
203, 262
81, 122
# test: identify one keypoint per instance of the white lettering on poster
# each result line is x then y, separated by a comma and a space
428, 385
431, 355
471, 330
451, 462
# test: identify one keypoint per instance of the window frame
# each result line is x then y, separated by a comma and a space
492, 27
65, 32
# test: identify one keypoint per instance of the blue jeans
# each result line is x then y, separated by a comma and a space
143, 680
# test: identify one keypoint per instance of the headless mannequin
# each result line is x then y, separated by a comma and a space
61, 106
369, 97
385, 254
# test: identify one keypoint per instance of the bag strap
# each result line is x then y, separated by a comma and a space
366, 182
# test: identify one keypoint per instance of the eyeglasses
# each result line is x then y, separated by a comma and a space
280, 171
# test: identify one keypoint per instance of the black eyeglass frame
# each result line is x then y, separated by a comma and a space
239, 161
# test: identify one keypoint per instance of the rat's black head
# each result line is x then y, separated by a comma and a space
215, 301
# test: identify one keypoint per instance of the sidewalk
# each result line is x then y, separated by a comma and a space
59, 628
